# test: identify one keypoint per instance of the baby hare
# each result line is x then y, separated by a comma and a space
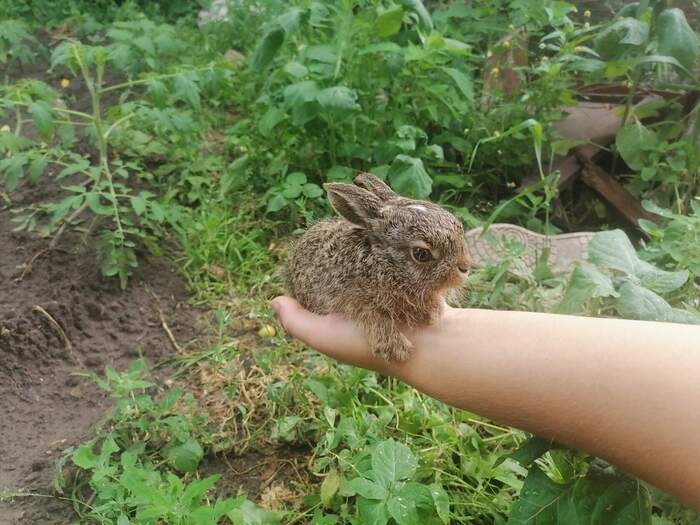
387, 264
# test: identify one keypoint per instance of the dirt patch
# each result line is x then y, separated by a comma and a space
273, 479
58, 317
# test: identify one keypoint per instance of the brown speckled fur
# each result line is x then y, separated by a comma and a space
361, 266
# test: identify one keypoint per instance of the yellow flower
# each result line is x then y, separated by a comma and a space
620, 18
496, 134
495, 71
587, 13
586, 25
542, 46
574, 9
505, 43
65, 83
578, 49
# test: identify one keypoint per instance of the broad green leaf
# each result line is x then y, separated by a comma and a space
270, 120
312, 191
296, 94
597, 499
276, 203
186, 457
289, 21
296, 69
392, 461
329, 487
633, 141
621, 37
418, 493
408, 177
84, 457
441, 501
676, 38
612, 249
528, 452
640, 303
292, 191
585, 283
463, 81
42, 118
322, 53
389, 22
403, 510
296, 178
267, 48
338, 98
658, 280
365, 488
372, 512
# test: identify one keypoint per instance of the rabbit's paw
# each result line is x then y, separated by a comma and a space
394, 347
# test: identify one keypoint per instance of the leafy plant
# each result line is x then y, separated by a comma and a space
16, 42
670, 242
134, 470
102, 188
634, 287
385, 491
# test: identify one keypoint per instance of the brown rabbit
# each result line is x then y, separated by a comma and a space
388, 264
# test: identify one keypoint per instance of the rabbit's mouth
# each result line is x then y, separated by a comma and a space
455, 280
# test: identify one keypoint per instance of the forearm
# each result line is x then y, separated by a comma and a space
626, 391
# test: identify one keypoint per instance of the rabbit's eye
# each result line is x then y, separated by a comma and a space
421, 255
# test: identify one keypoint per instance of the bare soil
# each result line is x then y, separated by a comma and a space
58, 317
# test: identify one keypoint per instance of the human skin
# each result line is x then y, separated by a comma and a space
625, 391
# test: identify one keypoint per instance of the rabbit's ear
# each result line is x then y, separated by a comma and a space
355, 204
376, 185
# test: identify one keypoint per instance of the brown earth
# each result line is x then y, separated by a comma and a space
59, 316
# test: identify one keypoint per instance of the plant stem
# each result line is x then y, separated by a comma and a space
95, 90
625, 116
18, 126
65, 224
130, 83
86, 116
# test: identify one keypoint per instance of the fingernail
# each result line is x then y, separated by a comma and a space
275, 305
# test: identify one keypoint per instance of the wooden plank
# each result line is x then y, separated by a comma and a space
614, 193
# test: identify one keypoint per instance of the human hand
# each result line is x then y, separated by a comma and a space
332, 335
